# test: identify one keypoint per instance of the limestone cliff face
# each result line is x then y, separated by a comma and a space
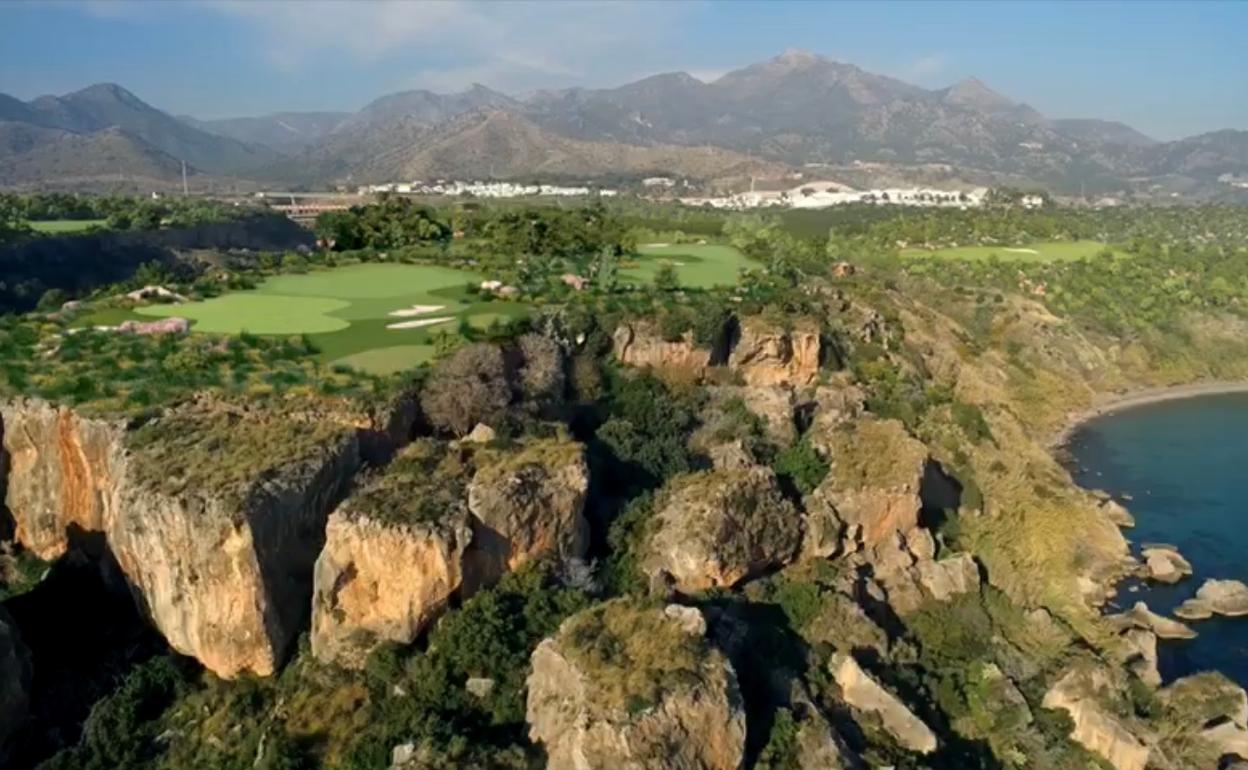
766, 355
861, 691
230, 584
697, 721
15, 676
715, 528
64, 471
381, 581
639, 344
526, 504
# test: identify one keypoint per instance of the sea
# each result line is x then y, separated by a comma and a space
1181, 468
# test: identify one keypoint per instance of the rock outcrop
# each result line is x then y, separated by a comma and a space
1225, 597
526, 504
65, 471
765, 354
875, 484
228, 579
663, 699
15, 677
382, 580
1164, 564
1096, 729
640, 344
716, 528
1140, 616
860, 690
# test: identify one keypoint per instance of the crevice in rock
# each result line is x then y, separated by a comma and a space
940, 494
84, 633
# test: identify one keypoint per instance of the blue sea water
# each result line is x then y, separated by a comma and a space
1183, 465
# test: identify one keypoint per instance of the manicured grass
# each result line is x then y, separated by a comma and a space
345, 311
699, 266
389, 360
257, 313
59, 226
1046, 251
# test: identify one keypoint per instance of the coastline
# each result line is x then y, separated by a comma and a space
1109, 403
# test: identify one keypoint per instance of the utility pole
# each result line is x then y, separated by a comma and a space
185, 191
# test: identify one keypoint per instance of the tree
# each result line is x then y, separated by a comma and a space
467, 388
666, 278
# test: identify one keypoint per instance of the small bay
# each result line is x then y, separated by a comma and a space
1181, 468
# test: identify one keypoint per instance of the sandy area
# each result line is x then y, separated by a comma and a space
1021, 251
416, 310
419, 323
1116, 402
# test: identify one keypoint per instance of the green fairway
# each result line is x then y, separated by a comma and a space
698, 265
1046, 251
59, 226
374, 316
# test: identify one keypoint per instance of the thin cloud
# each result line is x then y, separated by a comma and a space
926, 69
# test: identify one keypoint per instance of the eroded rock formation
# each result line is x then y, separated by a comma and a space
668, 701
860, 690
65, 472
526, 504
715, 528
1079, 694
639, 344
766, 354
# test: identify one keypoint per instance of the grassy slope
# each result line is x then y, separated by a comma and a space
58, 226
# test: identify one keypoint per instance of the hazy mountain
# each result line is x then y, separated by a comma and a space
40, 157
1103, 132
109, 107
426, 107
284, 132
502, 144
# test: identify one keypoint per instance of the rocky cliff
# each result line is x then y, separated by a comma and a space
526, 503
639, 344
716, 528
626, 687
766, 354
383, 580
64, 472
228, 580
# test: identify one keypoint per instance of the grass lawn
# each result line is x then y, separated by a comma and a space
58, 226
346, 311
700, 266
1046, 251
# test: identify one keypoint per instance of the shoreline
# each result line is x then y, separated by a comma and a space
1109, 403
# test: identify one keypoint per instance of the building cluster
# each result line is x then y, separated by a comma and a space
818, 195
482, 189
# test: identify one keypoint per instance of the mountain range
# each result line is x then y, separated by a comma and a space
797, 111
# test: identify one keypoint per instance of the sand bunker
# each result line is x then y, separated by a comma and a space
1021, 251
419, 323
416, 310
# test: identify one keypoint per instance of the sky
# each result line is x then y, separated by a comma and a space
1170, 69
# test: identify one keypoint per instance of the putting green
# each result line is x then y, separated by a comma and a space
389, 360
257, 313
370, 281
698, 265
60, 226
1043, 251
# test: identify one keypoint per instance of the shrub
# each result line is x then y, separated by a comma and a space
467, 388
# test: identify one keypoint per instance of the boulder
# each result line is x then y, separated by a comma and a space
716, 528
1225, 597
944, 579
1164, 564
1164, 627
383, 580
766, 354
526, 503
222, 564
860, 690
874, 485
622, 686
1079, 693
640, 344
65, 472
1140, 654
15, 678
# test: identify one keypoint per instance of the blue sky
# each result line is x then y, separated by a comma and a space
1168, 68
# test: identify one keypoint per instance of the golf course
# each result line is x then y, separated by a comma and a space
698, 265
1044, 251
379, 318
